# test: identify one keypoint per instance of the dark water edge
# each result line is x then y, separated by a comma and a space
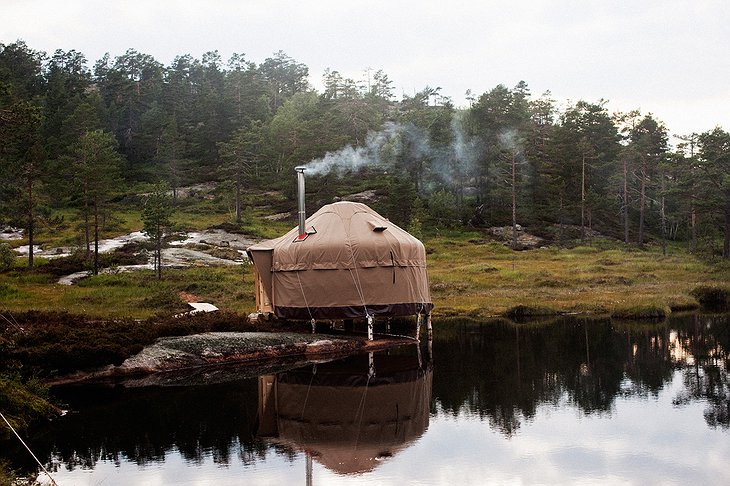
494, 387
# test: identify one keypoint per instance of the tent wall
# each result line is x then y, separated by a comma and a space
333, 294
262, 260
353, 263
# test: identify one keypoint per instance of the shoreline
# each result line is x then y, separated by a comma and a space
170, 358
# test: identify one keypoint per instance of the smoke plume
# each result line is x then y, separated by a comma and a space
377, 150
399, 145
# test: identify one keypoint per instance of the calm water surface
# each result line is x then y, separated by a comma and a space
567, 401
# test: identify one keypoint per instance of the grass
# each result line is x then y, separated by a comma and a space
527, 311
136, 294
712, 295
470, 274
22, 402
139, 294
590, 280
656, 309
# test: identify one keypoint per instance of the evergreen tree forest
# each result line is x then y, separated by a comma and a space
73, 135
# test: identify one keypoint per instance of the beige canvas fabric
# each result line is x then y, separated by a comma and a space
352, 263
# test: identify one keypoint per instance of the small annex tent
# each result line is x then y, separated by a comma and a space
351, 263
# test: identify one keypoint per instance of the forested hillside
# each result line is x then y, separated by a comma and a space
80, 136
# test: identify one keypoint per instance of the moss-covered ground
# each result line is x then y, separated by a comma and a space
474, 277
469, 275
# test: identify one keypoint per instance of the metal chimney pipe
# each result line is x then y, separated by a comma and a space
300, 196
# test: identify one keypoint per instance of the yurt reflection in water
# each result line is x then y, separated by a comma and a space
347, 415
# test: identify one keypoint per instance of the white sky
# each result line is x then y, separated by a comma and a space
666, 57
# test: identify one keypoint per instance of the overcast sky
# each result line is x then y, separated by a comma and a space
666, 57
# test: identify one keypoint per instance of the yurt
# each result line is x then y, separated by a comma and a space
345, 261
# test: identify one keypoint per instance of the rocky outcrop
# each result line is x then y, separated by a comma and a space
525, 240
201, 351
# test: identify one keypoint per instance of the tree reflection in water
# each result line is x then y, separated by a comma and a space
500, 372
347, 411
705, 373
503, 371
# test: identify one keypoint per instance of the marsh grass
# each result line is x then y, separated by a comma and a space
714, 296
483, 279
23, 401
135, 294
8, 291
642, 310
470, 273
522, 311
592, 280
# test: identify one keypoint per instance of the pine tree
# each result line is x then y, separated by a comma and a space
96, 170
156, 215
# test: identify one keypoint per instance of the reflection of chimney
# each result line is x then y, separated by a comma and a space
300, 195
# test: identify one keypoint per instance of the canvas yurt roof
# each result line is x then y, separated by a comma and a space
352, 263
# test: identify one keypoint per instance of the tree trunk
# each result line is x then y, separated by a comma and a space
96, 239
30, 243
560, 221
173, 172
642, 202
693, 244
514, 200
664, 221
590, 226
583, 200
417, 175
31, 222
87, 230
159, 252
726, 243
238, 101
664, 228
238, 196
626, 201
692, 139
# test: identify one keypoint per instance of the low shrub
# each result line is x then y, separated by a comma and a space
163, 299
58, 267
712, 296
612, 280
7, 257
524, 311
642, 311
76, 262
7, 291
109, 280
679, 303
586, 250
551, 283
606, 262
23, 402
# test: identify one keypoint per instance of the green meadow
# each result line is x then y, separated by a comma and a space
469, 276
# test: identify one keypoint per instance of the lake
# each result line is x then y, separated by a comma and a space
567, 400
